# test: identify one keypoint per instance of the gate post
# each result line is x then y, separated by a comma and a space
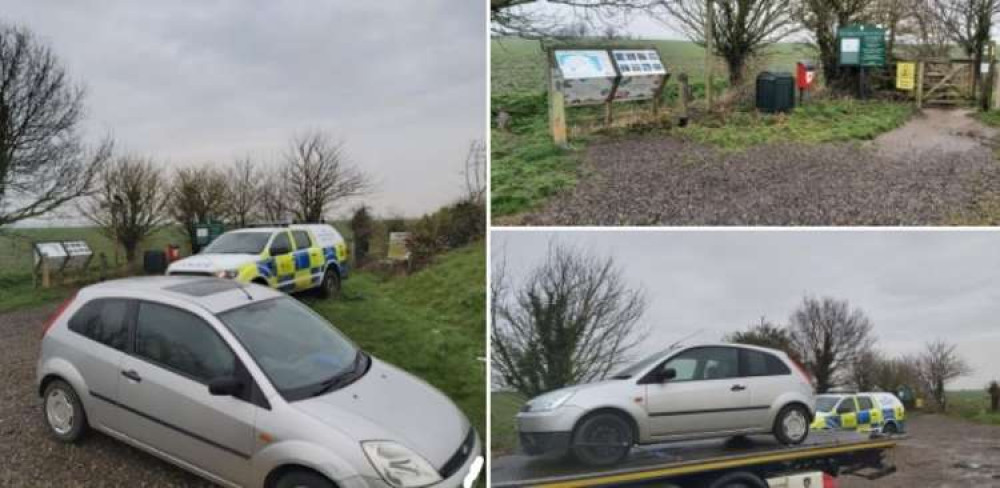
920, 85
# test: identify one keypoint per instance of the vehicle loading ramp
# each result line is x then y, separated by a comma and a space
666, 461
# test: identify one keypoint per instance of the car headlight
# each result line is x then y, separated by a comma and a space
548, 401
228, 273
399, 466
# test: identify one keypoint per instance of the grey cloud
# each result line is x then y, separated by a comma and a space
402, 83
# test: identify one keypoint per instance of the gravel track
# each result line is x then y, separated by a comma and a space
29, 457
664, 181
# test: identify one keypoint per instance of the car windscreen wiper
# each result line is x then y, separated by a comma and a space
345, 378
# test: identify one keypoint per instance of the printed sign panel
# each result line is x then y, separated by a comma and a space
862, 45
906, 76
585, 77
638, 62
398, 249
584, 64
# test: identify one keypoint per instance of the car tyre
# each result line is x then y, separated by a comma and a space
303, 479
611, 429
890, 429
330, 286
791, 426
63, 412
738, 480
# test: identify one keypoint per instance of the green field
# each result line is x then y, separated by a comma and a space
518, 65
973, 405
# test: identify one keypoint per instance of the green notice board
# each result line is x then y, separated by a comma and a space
861, 45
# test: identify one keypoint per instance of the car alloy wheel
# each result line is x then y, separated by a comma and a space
59, 411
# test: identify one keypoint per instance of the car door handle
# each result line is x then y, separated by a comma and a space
738, 388
132, 375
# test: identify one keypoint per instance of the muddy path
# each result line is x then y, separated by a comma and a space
942, 452
937, 169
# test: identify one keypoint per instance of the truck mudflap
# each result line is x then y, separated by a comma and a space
693, 462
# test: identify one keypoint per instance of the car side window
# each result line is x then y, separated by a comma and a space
705, 363
281, 244
182, 342
103, 320
864, 403
776, 367
302, 240
847, 406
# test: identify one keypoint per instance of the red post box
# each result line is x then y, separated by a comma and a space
805, 73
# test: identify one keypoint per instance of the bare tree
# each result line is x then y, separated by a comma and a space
574, 320
130, 203
197, 195
243, 191
822, 18
43, 161
968, 24
830, 336
939, 364
890, 374
475, 172
863, 370
742, 28
518, 18
318, 175
765, 334
272, 203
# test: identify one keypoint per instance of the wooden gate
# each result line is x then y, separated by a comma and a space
948, 82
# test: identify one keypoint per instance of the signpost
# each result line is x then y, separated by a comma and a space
863, 46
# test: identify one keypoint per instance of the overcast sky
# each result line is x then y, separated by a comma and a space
403, 84
915, 286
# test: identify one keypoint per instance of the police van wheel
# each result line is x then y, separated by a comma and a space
791, 426
330, 287
890, 429
602, 439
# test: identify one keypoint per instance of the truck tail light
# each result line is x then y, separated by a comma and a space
55, 315
829, 481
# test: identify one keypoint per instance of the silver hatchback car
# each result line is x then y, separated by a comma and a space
244, 386
712, 390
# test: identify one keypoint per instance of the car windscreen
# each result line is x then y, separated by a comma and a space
300, 352
826, 404
638, 366
238, 243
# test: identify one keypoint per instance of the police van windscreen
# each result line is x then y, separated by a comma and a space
826, 404
239, 243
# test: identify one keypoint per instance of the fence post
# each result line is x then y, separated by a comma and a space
557, 113
920, 85
682, 97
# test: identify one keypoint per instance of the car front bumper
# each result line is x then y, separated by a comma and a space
550, 431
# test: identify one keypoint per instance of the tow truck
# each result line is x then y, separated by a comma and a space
740, 462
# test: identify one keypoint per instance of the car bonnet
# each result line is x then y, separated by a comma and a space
390, 404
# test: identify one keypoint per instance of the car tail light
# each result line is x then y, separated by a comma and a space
802, 371
55, 315
829, 481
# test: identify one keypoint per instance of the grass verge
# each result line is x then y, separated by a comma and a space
815, 122
431, 323
503, 407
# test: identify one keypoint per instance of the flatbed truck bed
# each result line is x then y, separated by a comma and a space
698, 463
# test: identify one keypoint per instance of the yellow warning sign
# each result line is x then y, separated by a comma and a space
906, 76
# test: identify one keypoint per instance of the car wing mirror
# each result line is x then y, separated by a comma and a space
225, 386
667, 375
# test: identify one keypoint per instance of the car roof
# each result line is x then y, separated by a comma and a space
734, 344
215, 295
257, 229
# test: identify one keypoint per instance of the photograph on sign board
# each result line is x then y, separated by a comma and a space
768, 118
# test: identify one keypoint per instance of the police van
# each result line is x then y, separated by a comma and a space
289, 258
877, 412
